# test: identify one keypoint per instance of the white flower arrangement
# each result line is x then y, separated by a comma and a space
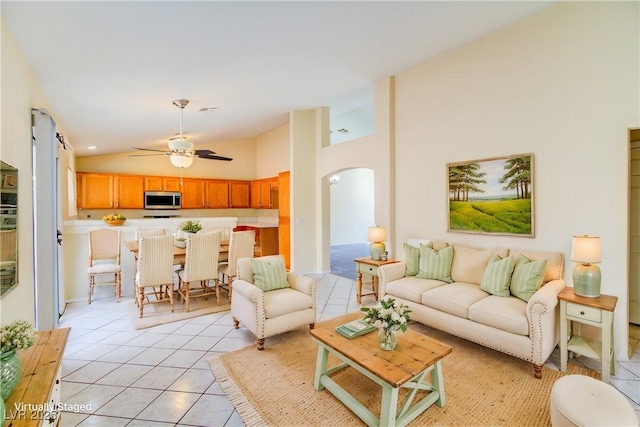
385, 315
16, 336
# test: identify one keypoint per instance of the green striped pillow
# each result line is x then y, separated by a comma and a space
412, 257
269, 275
527, 277
435, 264
497, 276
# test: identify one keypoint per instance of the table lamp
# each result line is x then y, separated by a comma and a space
585, 250
377, 236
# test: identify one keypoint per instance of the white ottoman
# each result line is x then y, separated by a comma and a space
578, 400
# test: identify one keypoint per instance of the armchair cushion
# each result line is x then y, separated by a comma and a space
270, 274
285, 301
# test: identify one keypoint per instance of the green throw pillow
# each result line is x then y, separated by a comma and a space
497, 276
269, 275
527, 277
435, 264
412, 257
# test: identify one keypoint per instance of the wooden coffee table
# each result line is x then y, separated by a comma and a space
406, 366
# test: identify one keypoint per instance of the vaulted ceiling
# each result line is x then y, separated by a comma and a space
110, 70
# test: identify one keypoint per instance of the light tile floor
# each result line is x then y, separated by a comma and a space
160, 376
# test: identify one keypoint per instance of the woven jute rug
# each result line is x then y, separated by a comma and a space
483, 387
160, 313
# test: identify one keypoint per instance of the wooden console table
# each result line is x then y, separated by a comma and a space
35, 401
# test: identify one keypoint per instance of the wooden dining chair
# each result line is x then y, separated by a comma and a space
154, 275
200, 268
104, 259
240, 246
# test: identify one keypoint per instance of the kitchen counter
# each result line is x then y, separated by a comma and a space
257, 224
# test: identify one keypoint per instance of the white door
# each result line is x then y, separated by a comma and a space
46, 220
634, 235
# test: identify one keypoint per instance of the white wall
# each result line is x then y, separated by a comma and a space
272, 152
563, 85
352, 202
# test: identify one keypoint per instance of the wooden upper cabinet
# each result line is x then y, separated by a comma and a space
193, 193
239, 194
255, 194
129, 192
284, 189
95, 190
161, 183
217, 194
265, 193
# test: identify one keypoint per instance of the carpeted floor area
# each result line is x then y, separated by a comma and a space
342, 257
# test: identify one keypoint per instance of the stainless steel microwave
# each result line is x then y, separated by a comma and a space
162, 200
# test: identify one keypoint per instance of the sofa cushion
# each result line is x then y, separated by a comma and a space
411, 288
555, 262
284, 301
508, 314
412, 258
527, 277
469, 263
454, 298
435, 264
497, 276
269, 275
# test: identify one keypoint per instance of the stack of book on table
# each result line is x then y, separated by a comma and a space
355, 328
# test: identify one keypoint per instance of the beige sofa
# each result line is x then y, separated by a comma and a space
525, 329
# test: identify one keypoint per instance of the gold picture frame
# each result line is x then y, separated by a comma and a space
491, 196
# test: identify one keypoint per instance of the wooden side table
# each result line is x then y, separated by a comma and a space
597, 312
369, 266
36, 399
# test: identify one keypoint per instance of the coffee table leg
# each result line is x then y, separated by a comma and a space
437, 381
359, 287
321, 366
389, 406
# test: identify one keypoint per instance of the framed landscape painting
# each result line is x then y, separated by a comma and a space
492, 196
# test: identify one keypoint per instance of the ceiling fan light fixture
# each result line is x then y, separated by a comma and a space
180, 145
180, 160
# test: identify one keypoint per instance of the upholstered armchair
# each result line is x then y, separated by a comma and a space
269, 312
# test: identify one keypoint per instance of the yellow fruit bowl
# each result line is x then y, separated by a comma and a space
114, 222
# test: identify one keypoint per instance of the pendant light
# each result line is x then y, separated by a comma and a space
181, 150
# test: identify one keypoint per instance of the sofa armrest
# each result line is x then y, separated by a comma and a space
305, 284
248, 290
542, 314
388, 273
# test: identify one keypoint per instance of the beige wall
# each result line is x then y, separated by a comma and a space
273, 152
19, 94
563, 85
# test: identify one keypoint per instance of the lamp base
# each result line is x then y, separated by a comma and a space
586, 280
376, 249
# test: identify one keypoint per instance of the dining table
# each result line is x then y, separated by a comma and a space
179, 254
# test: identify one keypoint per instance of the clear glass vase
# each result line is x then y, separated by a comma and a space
387, 338
10, 372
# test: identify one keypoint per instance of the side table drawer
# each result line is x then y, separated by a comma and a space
368, 269
581, 312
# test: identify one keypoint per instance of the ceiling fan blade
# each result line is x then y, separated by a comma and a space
204, 153
149, 149
226, 159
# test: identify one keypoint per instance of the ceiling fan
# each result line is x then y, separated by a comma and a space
181, 152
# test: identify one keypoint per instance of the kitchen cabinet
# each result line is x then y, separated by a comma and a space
95, 191
239, 194
261, 193
129, 192
217, 194
266, 239
284, 217
193, 192
161, 183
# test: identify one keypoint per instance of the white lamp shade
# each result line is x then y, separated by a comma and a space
377, 234
180, 145
585, 249
181, 161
